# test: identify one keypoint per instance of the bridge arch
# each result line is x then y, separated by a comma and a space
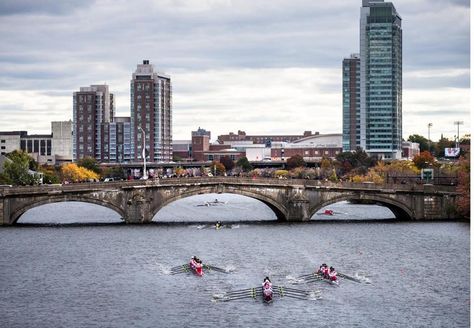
279, 210
399, 209
16, 215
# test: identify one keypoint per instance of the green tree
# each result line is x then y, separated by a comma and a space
17, 169
117, 172
49, 174
357, 159
419, 139
90, 164
441, 144
295, 161
244, 163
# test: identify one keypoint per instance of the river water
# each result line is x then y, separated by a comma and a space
413, 274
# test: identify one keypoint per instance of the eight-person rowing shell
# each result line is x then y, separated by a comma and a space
266, 291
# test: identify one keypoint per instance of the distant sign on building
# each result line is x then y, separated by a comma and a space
452, 152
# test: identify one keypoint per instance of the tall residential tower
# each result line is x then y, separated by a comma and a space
380, 112
351, 103
92, 106
150, 94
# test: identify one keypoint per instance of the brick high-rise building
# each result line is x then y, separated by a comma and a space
150, 94
92, 106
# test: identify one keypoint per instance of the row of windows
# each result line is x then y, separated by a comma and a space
43, 147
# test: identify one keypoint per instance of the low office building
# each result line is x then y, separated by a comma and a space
54, 148
260, 139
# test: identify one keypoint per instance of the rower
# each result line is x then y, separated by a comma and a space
332, 274
323, 269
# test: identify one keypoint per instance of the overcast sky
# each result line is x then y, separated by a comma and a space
265, 67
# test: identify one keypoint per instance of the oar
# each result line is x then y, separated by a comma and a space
236, 298
296, 296
342, 275
211, 267
178, 267
248, 292
306, 275
290, 289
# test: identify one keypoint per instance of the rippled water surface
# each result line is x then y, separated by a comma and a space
119, 276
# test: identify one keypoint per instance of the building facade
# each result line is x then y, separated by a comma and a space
54, 148
380, 79
351, 103
116, 147
260, 139
62, 136
92, 106
151, 117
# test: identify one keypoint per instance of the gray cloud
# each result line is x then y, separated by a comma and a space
52, 7
55, 47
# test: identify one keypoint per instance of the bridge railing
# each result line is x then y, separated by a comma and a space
88, 186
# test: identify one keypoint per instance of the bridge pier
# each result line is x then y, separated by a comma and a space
137, 208
298, 206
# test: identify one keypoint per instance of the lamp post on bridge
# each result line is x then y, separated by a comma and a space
144, 154
429, 139
458, 123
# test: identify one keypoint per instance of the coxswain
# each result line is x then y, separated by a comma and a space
218, 224
267, 284
332, 274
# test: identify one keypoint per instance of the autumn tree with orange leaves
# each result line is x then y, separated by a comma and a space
73, 173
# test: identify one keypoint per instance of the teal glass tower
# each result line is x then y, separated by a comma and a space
381, 79
379, 113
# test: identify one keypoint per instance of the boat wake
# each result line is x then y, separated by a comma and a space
294, 280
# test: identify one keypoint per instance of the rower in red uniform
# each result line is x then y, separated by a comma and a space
332, 274
323, 270
196, 265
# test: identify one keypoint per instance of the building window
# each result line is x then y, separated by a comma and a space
43, 147
2, 141
36, 146
48, 147
3, 147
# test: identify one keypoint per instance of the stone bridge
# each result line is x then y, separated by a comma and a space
290, 200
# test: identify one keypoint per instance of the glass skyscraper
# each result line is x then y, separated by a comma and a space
380, 76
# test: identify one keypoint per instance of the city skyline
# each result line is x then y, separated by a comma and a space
234, 65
